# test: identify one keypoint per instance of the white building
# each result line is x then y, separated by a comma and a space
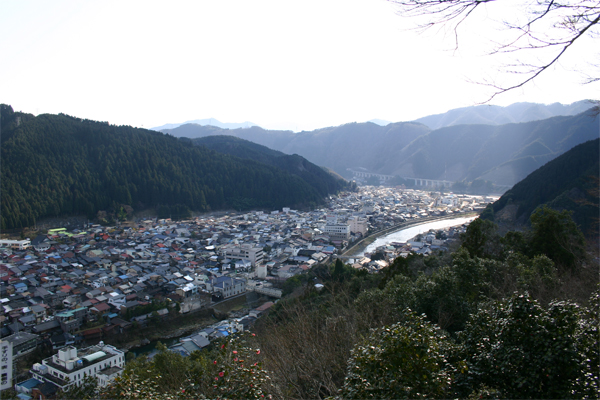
358, 225
16, 244
337, 231
6, 364
254, 254
11, 348
70, 365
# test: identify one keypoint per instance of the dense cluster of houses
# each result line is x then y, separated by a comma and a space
423, 244
73, 286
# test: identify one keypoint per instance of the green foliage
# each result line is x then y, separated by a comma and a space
230, 370
404, 361
324, 182
9, 394
341, 271
555, 235
526, 351
54, 165
240, 375
175, 211
488, 213
292, 283
478, 236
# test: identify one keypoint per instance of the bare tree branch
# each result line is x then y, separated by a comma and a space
550, 27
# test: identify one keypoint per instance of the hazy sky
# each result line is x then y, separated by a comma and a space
280, 64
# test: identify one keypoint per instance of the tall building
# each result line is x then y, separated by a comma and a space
11, 348
6, 364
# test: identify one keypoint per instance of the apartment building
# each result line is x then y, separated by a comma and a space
337, 232
69, 366
249, 252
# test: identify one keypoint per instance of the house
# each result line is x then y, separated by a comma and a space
20, 287
71, 320
227, 286
186, 346
100, 309
44, 391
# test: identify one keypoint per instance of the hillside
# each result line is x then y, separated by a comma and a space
54, 165
501, 154
317, 177
569, 182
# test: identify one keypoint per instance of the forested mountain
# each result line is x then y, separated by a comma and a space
501, 154
316, 176
54, 165
496, 115
569, 182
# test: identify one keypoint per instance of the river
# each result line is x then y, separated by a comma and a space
406, 234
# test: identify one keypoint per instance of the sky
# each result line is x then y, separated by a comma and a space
297, 65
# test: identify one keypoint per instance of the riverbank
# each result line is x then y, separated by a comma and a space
362, 244
185, 324
176, 326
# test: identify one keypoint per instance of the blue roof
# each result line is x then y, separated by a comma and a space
30, 383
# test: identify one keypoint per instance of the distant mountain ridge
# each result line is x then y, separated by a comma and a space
208, 121
496, 115
482, 114
380, 122
501, 154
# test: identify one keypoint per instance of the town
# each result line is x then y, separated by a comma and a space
75, 289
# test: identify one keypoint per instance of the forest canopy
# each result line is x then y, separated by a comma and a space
55, 165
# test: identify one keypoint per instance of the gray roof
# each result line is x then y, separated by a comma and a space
20, 337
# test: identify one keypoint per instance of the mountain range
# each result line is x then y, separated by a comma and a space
496, 115
207, 121
500, 154
483, 114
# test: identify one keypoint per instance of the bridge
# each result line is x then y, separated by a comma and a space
431, 183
